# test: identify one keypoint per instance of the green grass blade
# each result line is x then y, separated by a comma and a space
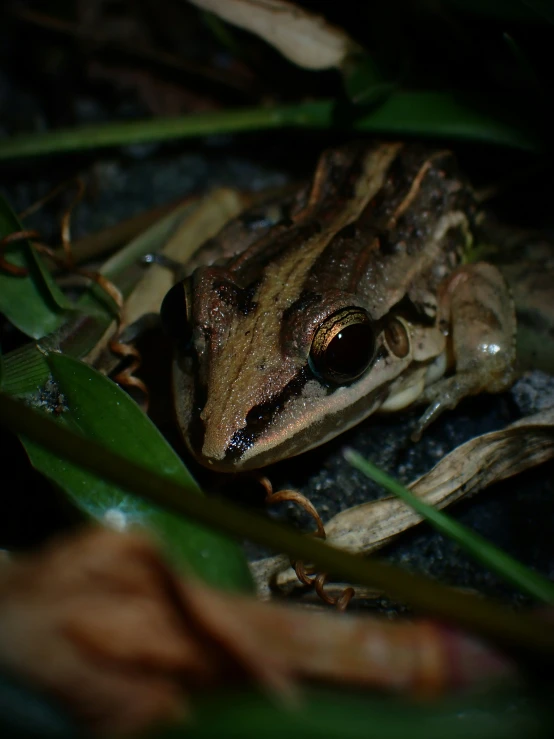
405, 113
162, 129
503, 564
446, 115
500, 625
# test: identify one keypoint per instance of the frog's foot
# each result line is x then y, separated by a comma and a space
477, 311
447, 393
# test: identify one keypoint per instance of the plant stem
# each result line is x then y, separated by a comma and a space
501, 626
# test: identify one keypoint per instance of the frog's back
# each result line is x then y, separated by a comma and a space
412, 232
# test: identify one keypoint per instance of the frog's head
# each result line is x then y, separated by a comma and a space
261, 376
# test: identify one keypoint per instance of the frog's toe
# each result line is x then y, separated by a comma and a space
446, 393
443, 396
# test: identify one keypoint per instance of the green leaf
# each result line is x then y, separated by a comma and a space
330, 714
24, 370
446, 115
33, 303
507, 567
99, 409
406, 113
363, 82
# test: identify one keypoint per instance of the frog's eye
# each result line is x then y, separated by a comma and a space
397, 338
175, 313
343, 346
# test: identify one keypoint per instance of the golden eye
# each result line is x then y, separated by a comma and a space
343, 346
175, 312
397, 338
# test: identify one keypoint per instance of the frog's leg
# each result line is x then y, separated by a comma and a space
476, 311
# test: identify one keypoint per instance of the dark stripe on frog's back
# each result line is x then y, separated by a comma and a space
367, 256
338, 171
249, 228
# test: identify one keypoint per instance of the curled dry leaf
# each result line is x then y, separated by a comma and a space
202, 220
197, 221
84, 622
304, 38
99, 621
468, 468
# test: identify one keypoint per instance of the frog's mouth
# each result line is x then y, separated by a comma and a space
303, 416
226, 447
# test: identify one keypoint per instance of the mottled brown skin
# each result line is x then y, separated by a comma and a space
383, 228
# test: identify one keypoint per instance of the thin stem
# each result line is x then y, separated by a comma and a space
519, 631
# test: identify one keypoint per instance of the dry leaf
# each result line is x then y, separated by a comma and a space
468, 468
304, 38
202, 220
87, 622
99, 621
198, 221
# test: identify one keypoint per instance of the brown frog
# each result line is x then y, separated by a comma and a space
349, 295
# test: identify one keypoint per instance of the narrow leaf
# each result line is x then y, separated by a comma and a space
327, 714
506, 566
404, 113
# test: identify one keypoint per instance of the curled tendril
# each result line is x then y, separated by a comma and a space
341, 601
306, 573
13, 238
66, 262
66, 222
126, 377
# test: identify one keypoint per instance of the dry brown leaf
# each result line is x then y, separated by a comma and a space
304, 38
199, 220
468, 468
203, 219
87, 622
99, 621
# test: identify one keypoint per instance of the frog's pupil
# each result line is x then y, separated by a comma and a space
343, 346
350, 351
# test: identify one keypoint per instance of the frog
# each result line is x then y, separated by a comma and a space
348, 295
